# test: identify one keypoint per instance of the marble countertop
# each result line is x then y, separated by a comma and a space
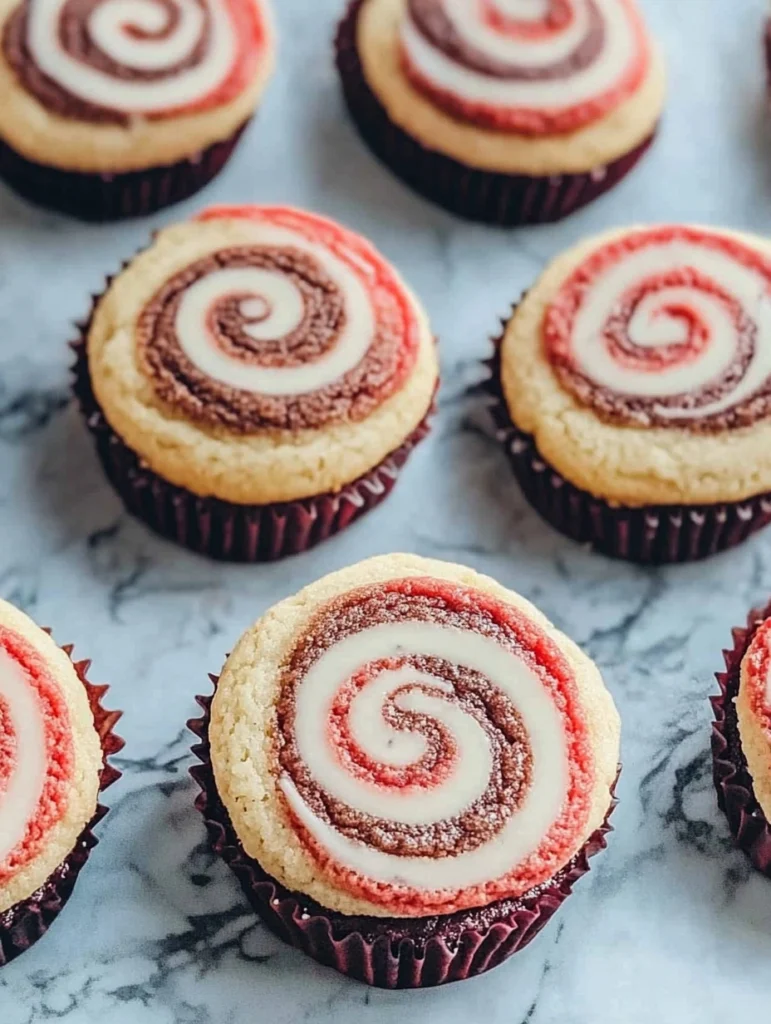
670, 925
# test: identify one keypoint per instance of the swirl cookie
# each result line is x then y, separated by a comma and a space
505, 111
741, 738
408, 760
115, 108
54, 741
255, 380
632, 391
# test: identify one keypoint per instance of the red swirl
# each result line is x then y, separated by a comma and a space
756, 673
59, 753
698, 330
561, 14
9, 746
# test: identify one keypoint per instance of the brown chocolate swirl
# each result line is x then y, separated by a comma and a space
185, 386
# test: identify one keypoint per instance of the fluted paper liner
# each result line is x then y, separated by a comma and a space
505, 199
24, 923
735, 792
650, 534
109, 197
385, 952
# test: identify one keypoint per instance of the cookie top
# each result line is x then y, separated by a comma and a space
50, 757
92, 85
515, 86
261, 354
641, 363
753, 708
406, 737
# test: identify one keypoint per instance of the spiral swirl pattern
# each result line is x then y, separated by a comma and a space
667, 326
430, 748
525, 66
36, 754
115, 60
304, 327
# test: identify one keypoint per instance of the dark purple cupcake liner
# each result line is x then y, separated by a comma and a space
735, 792
385, 952
26, 922
108, 197
220, 529
508, 200
650, 535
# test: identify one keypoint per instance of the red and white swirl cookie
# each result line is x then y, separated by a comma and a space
641, 364
50, 757
753, 708
534, 67
412, 739
261, 354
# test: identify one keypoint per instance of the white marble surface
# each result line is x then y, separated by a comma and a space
670, 925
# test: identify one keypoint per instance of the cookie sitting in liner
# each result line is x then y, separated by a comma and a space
504, 111
255, 380
116, 108
407, 766
631, 389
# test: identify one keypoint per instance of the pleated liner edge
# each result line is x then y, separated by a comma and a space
389, 961
110, 197
736, 795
